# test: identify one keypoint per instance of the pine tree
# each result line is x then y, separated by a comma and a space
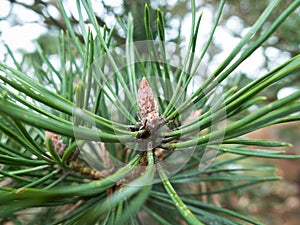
130, 134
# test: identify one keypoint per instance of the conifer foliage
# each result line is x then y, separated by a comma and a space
133, 134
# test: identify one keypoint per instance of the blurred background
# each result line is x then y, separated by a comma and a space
25, 24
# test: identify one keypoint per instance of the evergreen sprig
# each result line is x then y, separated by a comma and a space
91, 98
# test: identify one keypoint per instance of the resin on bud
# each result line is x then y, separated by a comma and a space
147, 104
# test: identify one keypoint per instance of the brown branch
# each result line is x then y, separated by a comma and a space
38, 6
